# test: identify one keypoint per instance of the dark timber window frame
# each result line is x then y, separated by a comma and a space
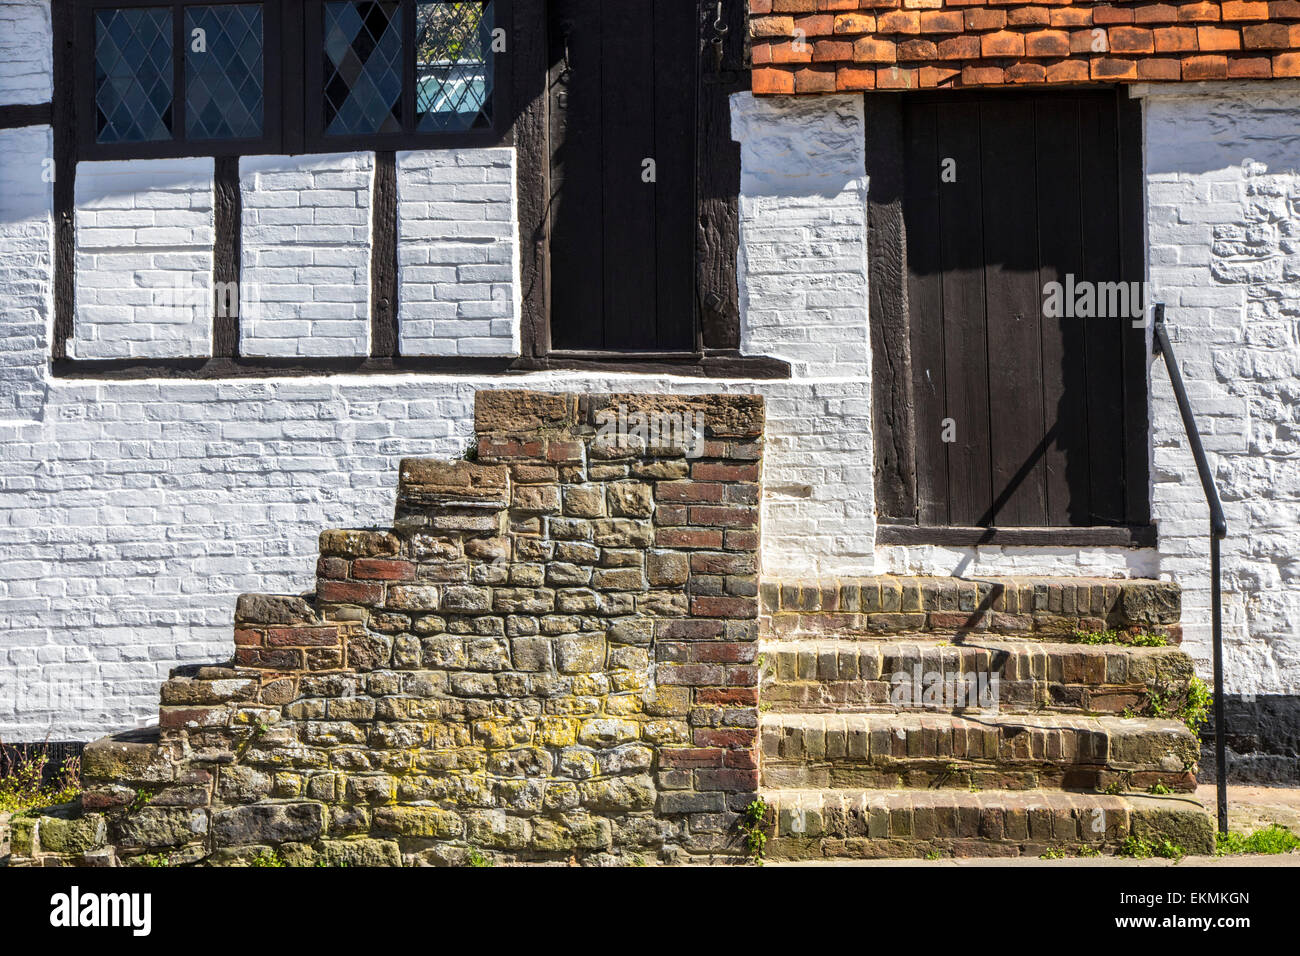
293, 94
519, 120
89, 148
315, 140
893, 405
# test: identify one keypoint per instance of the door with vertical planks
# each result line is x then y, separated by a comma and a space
622, 105
1028, 411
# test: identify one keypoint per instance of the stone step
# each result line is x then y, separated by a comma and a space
452, 495
991, 752
870, 824
290, 633
1034, 608
830, 676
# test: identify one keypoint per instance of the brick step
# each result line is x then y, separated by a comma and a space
1041, 608
830, 676
873, 824
993, 752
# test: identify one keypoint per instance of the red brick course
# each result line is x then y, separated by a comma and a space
817, 46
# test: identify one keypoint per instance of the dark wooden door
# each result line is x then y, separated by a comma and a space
1024, 416
622, 129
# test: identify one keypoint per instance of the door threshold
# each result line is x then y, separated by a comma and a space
1127, 536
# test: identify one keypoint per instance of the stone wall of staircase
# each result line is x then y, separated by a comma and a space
549, 656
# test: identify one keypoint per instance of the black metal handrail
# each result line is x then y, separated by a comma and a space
1218, 531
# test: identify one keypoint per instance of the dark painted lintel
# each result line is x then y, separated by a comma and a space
1143, 536
19, 115
705, 366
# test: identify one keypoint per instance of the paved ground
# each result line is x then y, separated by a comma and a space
1249, 809
1105, 862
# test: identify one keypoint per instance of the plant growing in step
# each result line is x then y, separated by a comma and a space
1168, 850
1052, 853
752, 828
1135, 848
1136, 639
475, 858
1191, 704
1120, 785
1087, 851
268, 858
1158, 789
23, 780
1273, 839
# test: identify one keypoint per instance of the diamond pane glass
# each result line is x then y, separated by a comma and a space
223, 71
133, 75
453, 65
363, 67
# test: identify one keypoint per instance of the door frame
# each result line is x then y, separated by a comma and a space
893, 404
717, 220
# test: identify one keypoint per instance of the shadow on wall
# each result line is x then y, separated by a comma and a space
1195, 135
1263, 740
799, 146
26, 177
130, 176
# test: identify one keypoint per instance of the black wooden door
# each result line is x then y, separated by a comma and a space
1024, 415
622, 130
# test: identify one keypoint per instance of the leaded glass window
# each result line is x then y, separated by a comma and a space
236, 77
133, 75
224, 93
453, 65
363, 67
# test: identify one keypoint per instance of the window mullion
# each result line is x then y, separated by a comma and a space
180, 47
296, 102
408, 66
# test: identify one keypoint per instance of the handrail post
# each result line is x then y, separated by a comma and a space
1220, 731
1218, 531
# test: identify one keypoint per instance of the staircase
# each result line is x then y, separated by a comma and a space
911, 717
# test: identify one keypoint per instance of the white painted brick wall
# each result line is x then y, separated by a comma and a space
457, 253
1223, 224
305, 270
144, 259
803, 288
26, 52
26, 261
803, 231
